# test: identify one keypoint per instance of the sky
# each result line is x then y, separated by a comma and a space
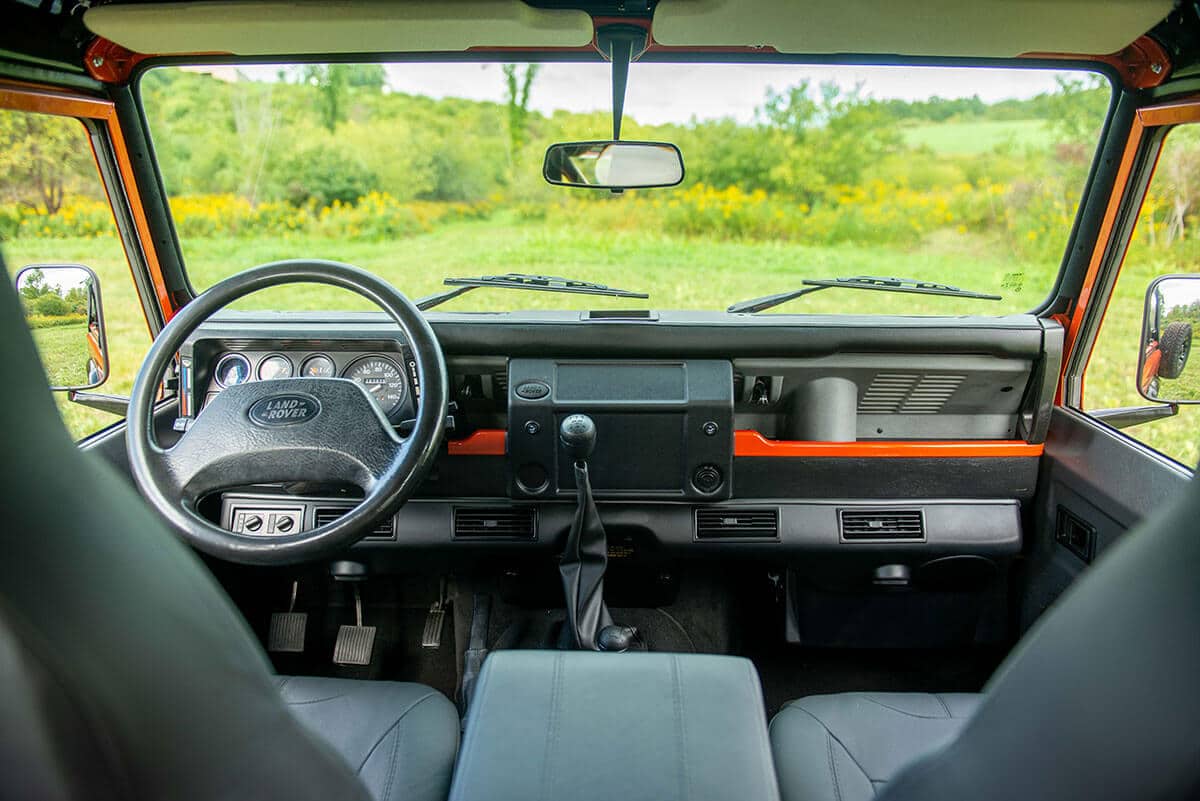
662, 93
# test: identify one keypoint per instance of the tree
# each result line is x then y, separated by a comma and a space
41, 158
516, 97
334, 82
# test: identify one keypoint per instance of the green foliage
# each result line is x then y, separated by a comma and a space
42, 159
326, 172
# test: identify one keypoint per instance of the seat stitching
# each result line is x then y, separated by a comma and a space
387, 787
901, 711
399, 720
829, 731
551, 729
938, 696
681, 727
837, 787
314, 700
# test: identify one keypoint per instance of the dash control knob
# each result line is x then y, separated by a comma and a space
707, 478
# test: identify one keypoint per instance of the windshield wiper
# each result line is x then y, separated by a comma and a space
537, 283
858, 282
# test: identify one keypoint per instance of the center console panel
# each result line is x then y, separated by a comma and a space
664, 428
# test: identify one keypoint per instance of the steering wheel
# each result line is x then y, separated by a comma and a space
294, 429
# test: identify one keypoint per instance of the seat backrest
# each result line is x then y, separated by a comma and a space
127, 672
1101, 699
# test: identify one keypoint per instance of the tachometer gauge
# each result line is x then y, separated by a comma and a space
318, 366
275, 366
382, 378
232, 369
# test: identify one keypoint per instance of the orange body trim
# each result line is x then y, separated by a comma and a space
39, 100
752, 443
1143, 64
484, 442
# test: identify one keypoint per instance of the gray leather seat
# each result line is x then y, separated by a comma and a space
127, 673
849, 746
1099, 700
399, 737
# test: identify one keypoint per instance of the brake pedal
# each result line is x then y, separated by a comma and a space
354, 643
286, 635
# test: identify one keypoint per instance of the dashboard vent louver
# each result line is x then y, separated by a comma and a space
507, 523
327, 514
865, 525
908, 393
500, 384
742, 524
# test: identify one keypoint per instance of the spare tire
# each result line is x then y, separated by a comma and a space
1175, 345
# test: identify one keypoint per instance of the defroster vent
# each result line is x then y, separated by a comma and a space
865, 525
503, 523
733, 523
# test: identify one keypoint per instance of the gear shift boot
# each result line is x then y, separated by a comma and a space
585, 557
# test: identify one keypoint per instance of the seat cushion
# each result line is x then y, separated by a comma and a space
400, 738
846, 747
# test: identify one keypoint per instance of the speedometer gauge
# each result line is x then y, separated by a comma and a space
382, 378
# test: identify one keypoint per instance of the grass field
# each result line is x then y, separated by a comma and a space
972, 138
64, 353
678, 273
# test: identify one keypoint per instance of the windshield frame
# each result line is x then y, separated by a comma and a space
1075, 255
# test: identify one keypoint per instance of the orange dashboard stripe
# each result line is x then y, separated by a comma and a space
752, 443
491, 442
484, 442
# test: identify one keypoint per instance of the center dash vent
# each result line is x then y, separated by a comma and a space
327, 514
908, 393
734, 523
505, 523
865, 525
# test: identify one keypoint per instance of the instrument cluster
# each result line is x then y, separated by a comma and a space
389, 378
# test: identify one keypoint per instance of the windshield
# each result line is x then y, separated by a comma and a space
968, 178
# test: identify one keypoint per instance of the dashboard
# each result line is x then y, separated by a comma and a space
858, 439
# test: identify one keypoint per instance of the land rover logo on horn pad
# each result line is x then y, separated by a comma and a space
284, 410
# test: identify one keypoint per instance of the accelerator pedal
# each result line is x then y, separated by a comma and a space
354, 643
432, 636
286, 635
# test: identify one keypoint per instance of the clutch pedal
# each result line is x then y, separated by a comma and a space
354, 643
286, 635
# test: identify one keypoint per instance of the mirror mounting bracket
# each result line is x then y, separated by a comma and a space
620, 44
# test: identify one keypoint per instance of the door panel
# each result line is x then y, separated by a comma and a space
1093, 478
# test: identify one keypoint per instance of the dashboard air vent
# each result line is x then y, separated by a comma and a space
908, 393
500, 384
866, 525
733, 523
327, 514
506, 523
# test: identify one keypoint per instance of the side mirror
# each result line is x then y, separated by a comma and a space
613, 165
64, 314
1172, 312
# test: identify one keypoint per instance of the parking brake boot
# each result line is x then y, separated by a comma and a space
585, 558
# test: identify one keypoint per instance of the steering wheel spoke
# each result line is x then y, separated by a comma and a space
316, 430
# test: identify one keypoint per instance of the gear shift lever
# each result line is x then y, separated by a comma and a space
585, 558
577, 434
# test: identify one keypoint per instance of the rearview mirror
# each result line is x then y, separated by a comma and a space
1165, 373
64, 314
613, 165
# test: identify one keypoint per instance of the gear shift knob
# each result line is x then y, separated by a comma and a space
578, 436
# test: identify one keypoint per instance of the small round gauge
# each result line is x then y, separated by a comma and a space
232, 369
318, 366
381, 377
275, 366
